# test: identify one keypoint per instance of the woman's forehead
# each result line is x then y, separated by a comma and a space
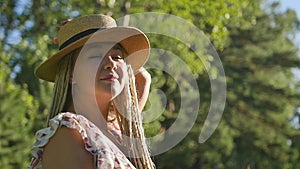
99, 45
104, 46
97, 49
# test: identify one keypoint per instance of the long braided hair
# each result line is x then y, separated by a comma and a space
125, 105
61, 86
130, 121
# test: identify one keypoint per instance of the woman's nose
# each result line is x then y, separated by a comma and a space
110, 63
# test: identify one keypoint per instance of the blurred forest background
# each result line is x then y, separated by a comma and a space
254, 39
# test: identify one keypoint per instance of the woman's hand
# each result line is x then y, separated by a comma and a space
143, 81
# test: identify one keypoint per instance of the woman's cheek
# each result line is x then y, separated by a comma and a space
123, 74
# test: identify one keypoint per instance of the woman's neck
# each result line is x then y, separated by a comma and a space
103, 107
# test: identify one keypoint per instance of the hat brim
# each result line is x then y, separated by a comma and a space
132, 39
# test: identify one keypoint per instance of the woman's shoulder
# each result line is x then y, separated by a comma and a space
67, 143
93, 138
67, 120
74, 136
64, 137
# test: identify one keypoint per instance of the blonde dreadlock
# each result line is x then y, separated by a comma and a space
61, 85
130, 121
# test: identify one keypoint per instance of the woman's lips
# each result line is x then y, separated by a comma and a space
109, 78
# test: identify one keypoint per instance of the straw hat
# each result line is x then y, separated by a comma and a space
96, 28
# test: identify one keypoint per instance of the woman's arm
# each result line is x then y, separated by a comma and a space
66, 150
143, 81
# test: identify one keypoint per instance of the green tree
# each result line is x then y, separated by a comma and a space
262, 92
267, 95
262, 98
17, 112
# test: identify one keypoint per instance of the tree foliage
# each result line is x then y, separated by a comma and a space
18, 110
254, 42
263, 95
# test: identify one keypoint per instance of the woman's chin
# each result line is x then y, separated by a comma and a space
109, 91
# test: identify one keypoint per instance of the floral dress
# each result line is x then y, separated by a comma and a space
106, 154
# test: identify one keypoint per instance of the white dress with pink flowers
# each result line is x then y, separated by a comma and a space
106, 154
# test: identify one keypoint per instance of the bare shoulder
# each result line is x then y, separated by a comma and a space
65, 150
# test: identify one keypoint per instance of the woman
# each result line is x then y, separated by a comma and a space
100, 89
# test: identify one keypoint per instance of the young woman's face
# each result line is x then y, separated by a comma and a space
101, 69
110, 77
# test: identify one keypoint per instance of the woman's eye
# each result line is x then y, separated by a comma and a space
117, 57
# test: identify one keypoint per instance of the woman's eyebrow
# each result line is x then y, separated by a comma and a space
99, 45
121, 48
